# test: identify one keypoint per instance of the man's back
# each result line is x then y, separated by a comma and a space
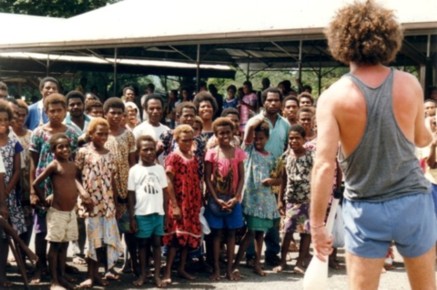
346, 101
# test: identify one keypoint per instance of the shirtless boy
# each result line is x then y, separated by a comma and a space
61, 216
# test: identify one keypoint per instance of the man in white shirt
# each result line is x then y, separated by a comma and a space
153, 106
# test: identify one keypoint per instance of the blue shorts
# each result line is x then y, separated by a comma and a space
434, 196
149, 225
232, 221
409, 221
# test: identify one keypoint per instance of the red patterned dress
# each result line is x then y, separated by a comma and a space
186, 231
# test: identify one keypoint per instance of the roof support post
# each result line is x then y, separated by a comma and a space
48, 64
114, 76
299, 63
198, 67
248, 69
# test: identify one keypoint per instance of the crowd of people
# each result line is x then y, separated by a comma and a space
92, 174
189, 178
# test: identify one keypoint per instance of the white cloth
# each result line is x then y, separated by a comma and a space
2, 165
145, 128
148, 182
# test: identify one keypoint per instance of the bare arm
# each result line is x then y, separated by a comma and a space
132, 159
48, 171
323, 173
171, 195
34, 157
422, 135
240, 181
248, 134
16, 174
4, 212
282, 191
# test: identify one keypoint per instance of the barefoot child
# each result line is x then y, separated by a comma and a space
293, 201
183, 230
147, 187
96, 164
61, 215
259, 201
224, 178
121, 143
10, 150
55, 107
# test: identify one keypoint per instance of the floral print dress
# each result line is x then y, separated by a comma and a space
297, 192
97, 173
16, 214
187, 230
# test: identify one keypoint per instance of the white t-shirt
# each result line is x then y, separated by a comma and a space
145, 128
148, 182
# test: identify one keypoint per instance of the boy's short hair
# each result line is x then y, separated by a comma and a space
183, 105
6, 108
48, 79
75, 95
97, 121
54, 99
305, 110
222, 121
199, 120
143, 138
290, 98
263, 127
89, 105
364, 32
299, 129
54, 140
183, 128
113, 102
306, 95
230, 111
22, 105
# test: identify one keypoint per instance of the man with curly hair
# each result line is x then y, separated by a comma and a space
377, 115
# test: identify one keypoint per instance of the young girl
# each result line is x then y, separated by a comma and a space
259, 202
96, 164
224, 178
183, 225
22, 134
293, 201
10, 150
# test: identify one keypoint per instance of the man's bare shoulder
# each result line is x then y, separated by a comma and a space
337, 91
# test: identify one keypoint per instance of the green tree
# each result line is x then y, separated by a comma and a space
54, 8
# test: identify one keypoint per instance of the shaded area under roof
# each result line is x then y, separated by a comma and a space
248, 35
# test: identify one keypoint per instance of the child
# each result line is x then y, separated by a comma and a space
96, 164
147, 186
61, 215
183, 225
121, 143
224, 178
55, 107
22, 134
233, 115
94, 108
295, 193
197, 126
259, 202
231, 100
10, 150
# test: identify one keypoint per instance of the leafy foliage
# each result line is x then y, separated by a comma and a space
54, 8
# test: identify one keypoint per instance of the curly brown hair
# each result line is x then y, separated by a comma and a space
364, 33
